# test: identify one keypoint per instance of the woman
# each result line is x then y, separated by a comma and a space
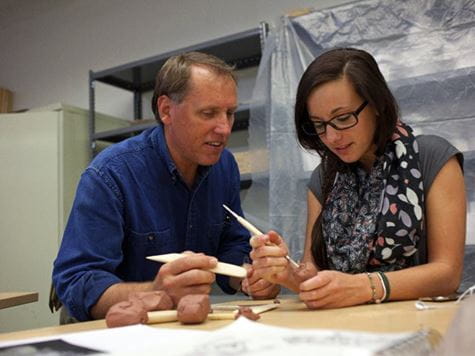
386, 210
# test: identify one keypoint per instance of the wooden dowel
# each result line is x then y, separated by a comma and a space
226, 269
162, 316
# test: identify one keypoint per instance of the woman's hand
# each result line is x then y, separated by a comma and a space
257, 287
332, 289
269, 260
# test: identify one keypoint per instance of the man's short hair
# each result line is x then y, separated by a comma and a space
173, 78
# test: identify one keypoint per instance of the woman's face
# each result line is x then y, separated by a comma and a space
335, 99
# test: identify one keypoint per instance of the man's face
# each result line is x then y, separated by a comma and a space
197, 128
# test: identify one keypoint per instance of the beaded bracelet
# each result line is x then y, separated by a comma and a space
373, 289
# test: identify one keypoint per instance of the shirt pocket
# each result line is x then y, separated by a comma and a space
139, 245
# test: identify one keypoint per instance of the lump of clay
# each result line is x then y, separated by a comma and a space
126, 313
156, 300
193, 308
247, 313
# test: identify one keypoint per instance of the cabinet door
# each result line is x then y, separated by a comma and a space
29, 180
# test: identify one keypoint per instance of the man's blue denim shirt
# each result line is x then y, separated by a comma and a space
132, 203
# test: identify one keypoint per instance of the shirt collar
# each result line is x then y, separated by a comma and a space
162, 149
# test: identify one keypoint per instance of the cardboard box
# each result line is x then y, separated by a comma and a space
6, 100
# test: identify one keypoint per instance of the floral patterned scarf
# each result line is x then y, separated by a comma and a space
374, 221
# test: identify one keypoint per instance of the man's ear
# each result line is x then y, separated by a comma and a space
164, 106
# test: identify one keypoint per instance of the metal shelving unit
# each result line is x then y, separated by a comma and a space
242, 49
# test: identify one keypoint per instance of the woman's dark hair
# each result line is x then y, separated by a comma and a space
362, 71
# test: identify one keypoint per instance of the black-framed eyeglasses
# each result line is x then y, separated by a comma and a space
340, 122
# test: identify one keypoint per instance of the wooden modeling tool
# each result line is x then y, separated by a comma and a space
221, 268
254, 230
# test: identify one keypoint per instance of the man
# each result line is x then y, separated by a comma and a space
160, 192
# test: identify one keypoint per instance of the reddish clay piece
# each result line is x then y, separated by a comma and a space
156, 300
126, 313
247, 313
193, 308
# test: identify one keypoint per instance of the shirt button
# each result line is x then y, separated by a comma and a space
150, 237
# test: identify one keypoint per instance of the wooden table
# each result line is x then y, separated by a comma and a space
387, 317
11, 299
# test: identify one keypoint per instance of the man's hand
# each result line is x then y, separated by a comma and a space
257, 287
187, 275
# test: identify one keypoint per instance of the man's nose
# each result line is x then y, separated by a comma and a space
224, 125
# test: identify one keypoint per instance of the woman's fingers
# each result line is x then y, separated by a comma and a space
267, 251
322, 279
276, 239
316, 291
332, 289
271, 238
